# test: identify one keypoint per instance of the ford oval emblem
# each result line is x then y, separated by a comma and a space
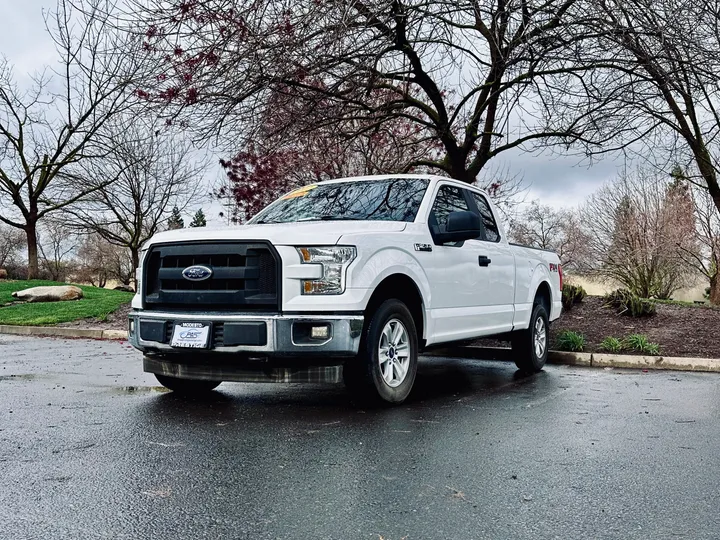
197, 273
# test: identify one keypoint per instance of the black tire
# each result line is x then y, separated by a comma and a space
526, 352
187, 386
366, 376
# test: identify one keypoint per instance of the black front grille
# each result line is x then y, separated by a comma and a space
245, 276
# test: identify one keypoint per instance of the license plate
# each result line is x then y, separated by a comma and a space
190, 335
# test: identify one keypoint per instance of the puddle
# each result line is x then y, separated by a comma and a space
141, 389
19, 377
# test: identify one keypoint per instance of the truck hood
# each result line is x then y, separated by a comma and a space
280, 234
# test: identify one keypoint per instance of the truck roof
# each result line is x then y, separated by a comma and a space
431, 177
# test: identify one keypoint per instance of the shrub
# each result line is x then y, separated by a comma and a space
571, 295
16, 270
611, 344
570, 341
641, 307
626, 303
641, 344
618, 298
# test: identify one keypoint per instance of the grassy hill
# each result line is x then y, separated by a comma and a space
96, 303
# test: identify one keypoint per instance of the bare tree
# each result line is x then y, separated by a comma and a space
93, 261
656, 89
47, 130
152, 172
637, 228
557, 230
11, 242
57, 248
100, 261
471, 76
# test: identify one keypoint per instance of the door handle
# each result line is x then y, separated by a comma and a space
484, 261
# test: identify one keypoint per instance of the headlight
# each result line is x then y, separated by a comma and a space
334, 261
138, 279
138, 271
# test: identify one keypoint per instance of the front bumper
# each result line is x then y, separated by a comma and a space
281, 335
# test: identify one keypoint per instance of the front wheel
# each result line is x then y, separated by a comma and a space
187, 386
530, 346
386, 366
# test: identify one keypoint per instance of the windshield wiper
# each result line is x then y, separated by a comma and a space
333, 218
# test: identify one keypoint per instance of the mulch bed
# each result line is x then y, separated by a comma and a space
692, 331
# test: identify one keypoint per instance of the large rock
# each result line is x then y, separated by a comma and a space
124, 288
49, 294
3, 273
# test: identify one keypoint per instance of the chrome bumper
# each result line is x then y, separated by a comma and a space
344, 339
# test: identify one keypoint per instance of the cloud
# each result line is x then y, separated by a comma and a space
558, 181
24, 39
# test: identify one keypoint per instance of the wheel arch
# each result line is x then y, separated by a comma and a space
401, 287
543, 294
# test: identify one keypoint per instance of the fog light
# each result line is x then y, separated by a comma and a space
311, 333
320, 332
131, 327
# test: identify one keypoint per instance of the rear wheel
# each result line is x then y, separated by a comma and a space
530, 346
385, 368
187, 386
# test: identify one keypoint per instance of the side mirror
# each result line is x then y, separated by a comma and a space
460, 226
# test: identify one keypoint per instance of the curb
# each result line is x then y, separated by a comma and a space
570, 358
656, 362
592, 359
89, 333
114, 334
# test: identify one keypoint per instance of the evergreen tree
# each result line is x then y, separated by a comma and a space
198, 219
175, 221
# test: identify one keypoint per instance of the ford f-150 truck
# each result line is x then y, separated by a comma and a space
347, 279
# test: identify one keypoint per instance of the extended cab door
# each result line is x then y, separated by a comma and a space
454, 276
462, 304
496, 253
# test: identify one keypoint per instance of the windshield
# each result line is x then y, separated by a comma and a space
389, 199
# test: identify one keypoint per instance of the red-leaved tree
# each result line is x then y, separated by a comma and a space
477, 78
280, 160
275, 164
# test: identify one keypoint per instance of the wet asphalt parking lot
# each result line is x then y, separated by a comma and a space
91, 447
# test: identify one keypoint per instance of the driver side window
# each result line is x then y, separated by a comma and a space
449, 199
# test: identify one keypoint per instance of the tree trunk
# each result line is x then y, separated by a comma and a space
707, 170
135, 255
715, 290
32, 245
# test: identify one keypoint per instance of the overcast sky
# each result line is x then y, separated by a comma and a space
553, 180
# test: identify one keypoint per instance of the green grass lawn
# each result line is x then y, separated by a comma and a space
683, 303
96, 303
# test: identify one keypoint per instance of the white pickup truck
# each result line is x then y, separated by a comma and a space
350, 279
